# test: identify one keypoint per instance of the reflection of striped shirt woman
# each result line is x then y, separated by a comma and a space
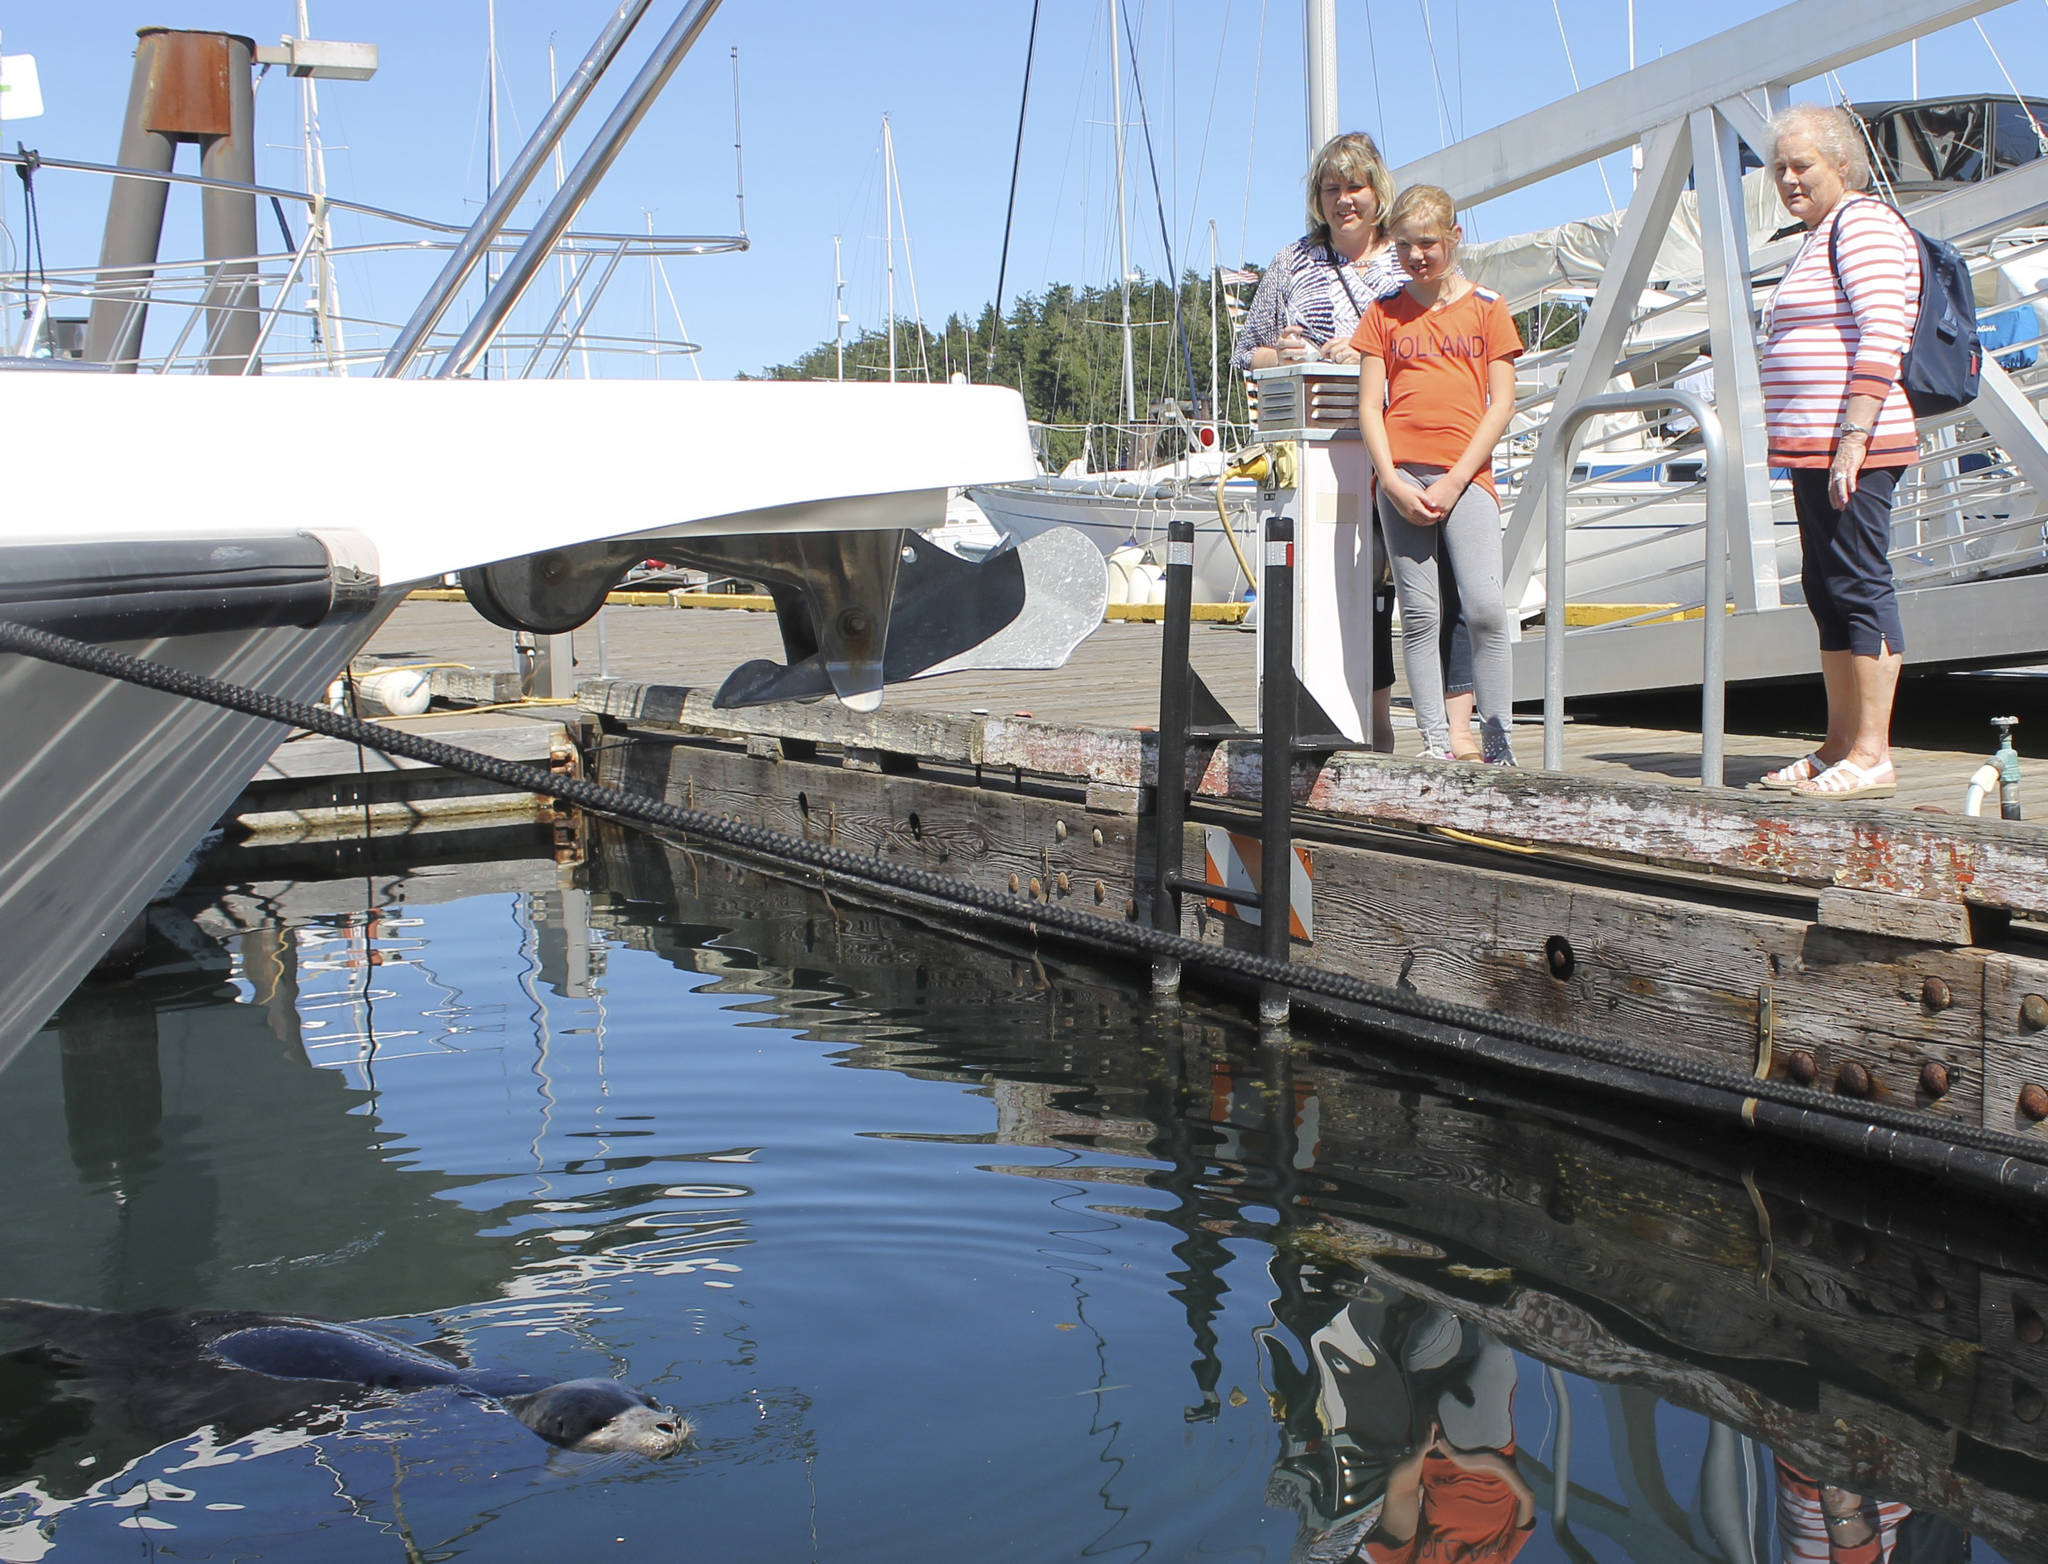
1310, 285
1831, 339
1803, 1525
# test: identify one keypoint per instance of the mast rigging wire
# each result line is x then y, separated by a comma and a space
1372, 52
1571, 66
995, 322
1180, 329
1251, 146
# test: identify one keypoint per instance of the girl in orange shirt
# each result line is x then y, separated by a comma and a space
1436, 390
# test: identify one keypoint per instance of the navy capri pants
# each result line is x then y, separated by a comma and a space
1844, 571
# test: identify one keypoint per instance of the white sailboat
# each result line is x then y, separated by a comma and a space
257, 528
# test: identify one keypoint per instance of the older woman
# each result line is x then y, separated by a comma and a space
1838, 419
1307, 306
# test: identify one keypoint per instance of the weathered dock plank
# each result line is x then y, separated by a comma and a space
1952, 858
1688, 969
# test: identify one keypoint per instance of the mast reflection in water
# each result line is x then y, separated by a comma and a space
948, 1249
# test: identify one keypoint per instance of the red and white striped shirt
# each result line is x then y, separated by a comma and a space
1830, 339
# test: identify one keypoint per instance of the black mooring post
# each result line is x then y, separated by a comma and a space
1276, 755
1169, 796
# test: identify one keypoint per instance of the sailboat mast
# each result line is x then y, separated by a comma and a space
889, 229
1215, 288
327, 309
1319, 49
1123, 219
491, 135
838, 309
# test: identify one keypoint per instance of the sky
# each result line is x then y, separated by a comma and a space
1220, 83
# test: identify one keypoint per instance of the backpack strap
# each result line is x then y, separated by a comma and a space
1835, 235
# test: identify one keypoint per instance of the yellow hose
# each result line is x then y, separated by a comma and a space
1250, 463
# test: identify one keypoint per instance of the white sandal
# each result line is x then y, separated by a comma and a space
1786, 778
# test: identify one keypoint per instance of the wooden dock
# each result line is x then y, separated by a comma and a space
1113, 681
1881, 951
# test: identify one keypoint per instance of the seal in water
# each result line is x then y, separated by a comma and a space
198, 1368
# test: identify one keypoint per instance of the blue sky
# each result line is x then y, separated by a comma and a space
1220, 81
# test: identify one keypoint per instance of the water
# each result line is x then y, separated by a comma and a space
949, 1251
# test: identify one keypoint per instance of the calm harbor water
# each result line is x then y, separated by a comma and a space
948, 1250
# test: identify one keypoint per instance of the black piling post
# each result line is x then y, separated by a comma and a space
1276, 756
1169, 795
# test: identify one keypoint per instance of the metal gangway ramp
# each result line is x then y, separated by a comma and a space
1688, 269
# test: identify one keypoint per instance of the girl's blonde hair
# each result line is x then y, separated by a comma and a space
1431, 203
1355, 158
1835, 135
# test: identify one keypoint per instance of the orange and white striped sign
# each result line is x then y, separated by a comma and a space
1234, 861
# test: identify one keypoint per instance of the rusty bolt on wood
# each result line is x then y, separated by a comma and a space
1557, 955
1853, 1080
1934, 1078
2034, 1101
2034, 1012
1934, 994
1101, 891
1014, 882
1059, 829
1802, 1068
1037, 890
1066, 885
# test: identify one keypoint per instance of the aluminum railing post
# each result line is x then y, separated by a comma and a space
1714, 586
1720, 527
1553, 589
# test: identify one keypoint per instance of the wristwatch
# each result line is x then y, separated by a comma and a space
1848, 429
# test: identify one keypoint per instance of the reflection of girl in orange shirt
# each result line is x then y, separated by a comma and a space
1436, 389
1457, 1497
1455, 1506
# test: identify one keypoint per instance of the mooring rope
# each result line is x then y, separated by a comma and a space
1875, 1130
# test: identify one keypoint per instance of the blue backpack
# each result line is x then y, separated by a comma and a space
1942, 363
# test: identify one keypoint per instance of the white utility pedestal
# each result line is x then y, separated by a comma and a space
1313, 408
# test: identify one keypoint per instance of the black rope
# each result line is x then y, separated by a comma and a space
291, 245
1876, 1128
32, 222
995, 326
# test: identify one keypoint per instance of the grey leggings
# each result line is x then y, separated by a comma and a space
1470, 538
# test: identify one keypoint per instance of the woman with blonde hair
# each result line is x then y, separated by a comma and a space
1312, 296
1308, 305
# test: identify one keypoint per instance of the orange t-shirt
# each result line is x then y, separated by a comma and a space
1437, 362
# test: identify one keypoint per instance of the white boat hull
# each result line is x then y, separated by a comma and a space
110, 784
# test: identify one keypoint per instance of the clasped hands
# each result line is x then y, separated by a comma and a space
1424, 505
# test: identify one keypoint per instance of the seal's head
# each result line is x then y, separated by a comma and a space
601, 1416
